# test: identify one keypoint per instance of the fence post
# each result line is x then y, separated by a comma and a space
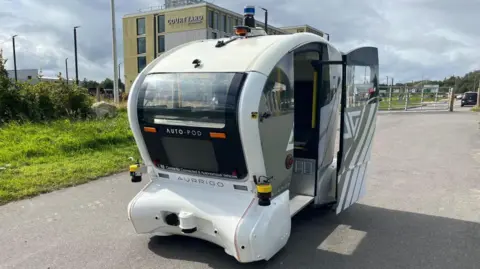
406, 94
390, 98
451, 101
421, 98
98, 94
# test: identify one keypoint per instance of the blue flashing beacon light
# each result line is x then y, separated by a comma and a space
249, 10
248, 16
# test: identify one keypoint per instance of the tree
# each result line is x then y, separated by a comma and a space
107, 84
89, 83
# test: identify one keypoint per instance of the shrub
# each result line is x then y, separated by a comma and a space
43, 101
24, 101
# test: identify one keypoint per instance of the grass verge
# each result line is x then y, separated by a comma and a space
476, 109
41, 157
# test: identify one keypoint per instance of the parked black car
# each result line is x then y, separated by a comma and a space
469, 99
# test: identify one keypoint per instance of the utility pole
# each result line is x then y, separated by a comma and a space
14, 58
114, 52
76, 56
66, 68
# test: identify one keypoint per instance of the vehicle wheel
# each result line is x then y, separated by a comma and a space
462, 105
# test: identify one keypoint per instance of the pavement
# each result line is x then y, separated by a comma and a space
421, 210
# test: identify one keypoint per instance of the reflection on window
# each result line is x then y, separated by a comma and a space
141, 63
161, 23
192, 97
211, 19
215, 20
140, 26
141, 45
161, 43
224, 23
278, 90
361, 85
218, 22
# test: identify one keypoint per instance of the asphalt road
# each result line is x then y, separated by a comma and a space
422, 210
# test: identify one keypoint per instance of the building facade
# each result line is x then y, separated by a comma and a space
148, 34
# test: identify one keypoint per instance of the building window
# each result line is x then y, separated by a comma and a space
161, 23
229, 25
29, 77
141, 63
214, 35
211, 19
161, 43
141, 45
224, 23
140, 26
215, 20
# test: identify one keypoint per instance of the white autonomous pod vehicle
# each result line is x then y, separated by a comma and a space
239, 134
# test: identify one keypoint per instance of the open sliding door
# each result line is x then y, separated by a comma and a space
359, 106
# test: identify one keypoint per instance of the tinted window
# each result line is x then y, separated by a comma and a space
161, 43
278, 90
141, 63
224, 21
141, 45
140, 26
161, 23
199, 99
210, 19
470, 95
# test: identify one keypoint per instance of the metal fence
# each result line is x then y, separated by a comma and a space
412, 98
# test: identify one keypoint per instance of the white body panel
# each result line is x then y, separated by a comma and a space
215, 203
239, 225
258, 54
226, 211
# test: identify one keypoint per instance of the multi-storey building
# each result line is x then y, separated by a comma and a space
147, 34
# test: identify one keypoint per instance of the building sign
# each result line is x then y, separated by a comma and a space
187, 20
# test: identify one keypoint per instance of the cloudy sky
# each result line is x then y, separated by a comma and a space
432, 39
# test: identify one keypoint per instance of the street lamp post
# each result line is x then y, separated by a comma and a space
114, 54
76, 55
14, 58
66, 68
266, 19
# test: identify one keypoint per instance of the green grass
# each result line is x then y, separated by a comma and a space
476, 109
37, 158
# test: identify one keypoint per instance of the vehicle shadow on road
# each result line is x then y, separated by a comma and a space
362, 237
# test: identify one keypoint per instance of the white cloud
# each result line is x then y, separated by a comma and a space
429, 38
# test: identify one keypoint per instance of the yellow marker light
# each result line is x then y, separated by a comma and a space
133, 168
264, 188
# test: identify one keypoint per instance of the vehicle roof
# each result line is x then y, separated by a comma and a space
258, 54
